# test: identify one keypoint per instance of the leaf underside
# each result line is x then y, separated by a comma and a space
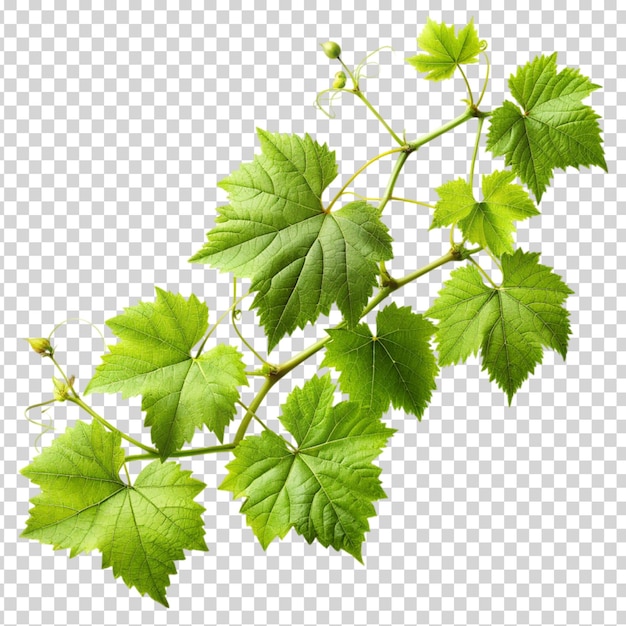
324, 489
84, 505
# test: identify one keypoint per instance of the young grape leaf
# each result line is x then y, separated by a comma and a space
488, 223
84, 505
301, 258
510, 324
179, 393
446, 50
324, 489
396, 365
552, 129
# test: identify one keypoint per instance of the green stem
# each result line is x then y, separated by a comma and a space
397, 198
227, 447
270, 381
457, 121
469, 89
287, 366
361, 96
387, 196
393, 179
350, 74
361, 169
77, 400
65, 378
482, 271
475, 154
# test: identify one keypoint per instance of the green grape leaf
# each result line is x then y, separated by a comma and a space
84, 505
510, 325
324, 489
488, 223
301, 258
179, 392
445, 49
550, 128
396, 365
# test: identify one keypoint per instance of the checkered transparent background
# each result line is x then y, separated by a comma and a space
118, 119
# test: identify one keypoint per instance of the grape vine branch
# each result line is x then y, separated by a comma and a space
304, 258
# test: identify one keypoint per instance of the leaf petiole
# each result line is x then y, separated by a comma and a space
470, 178
227, 447
361, 96
361, 169
83, 405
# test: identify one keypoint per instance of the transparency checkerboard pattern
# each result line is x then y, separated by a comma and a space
119, 118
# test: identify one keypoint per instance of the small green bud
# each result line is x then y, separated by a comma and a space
340, 80
41, 345
331, 49
60, 390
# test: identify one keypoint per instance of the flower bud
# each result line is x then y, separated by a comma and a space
60, 390
331, 49
340, 80
41, 345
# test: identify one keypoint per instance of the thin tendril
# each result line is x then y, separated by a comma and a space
484, 89
72, 319
236, 327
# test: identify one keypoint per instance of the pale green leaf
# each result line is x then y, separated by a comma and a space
445, 49
301, 258
84, 505
550, 128
179, 392
324, 489
488, 223
511, 324
395, 365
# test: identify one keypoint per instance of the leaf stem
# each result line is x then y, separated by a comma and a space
287, 366
393, 179
457, 121
361, 96
361, 169
68, 382
470, 179
350, 74
78, 401
397, 198
270, 381
469, 89
482, 271
227, 447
